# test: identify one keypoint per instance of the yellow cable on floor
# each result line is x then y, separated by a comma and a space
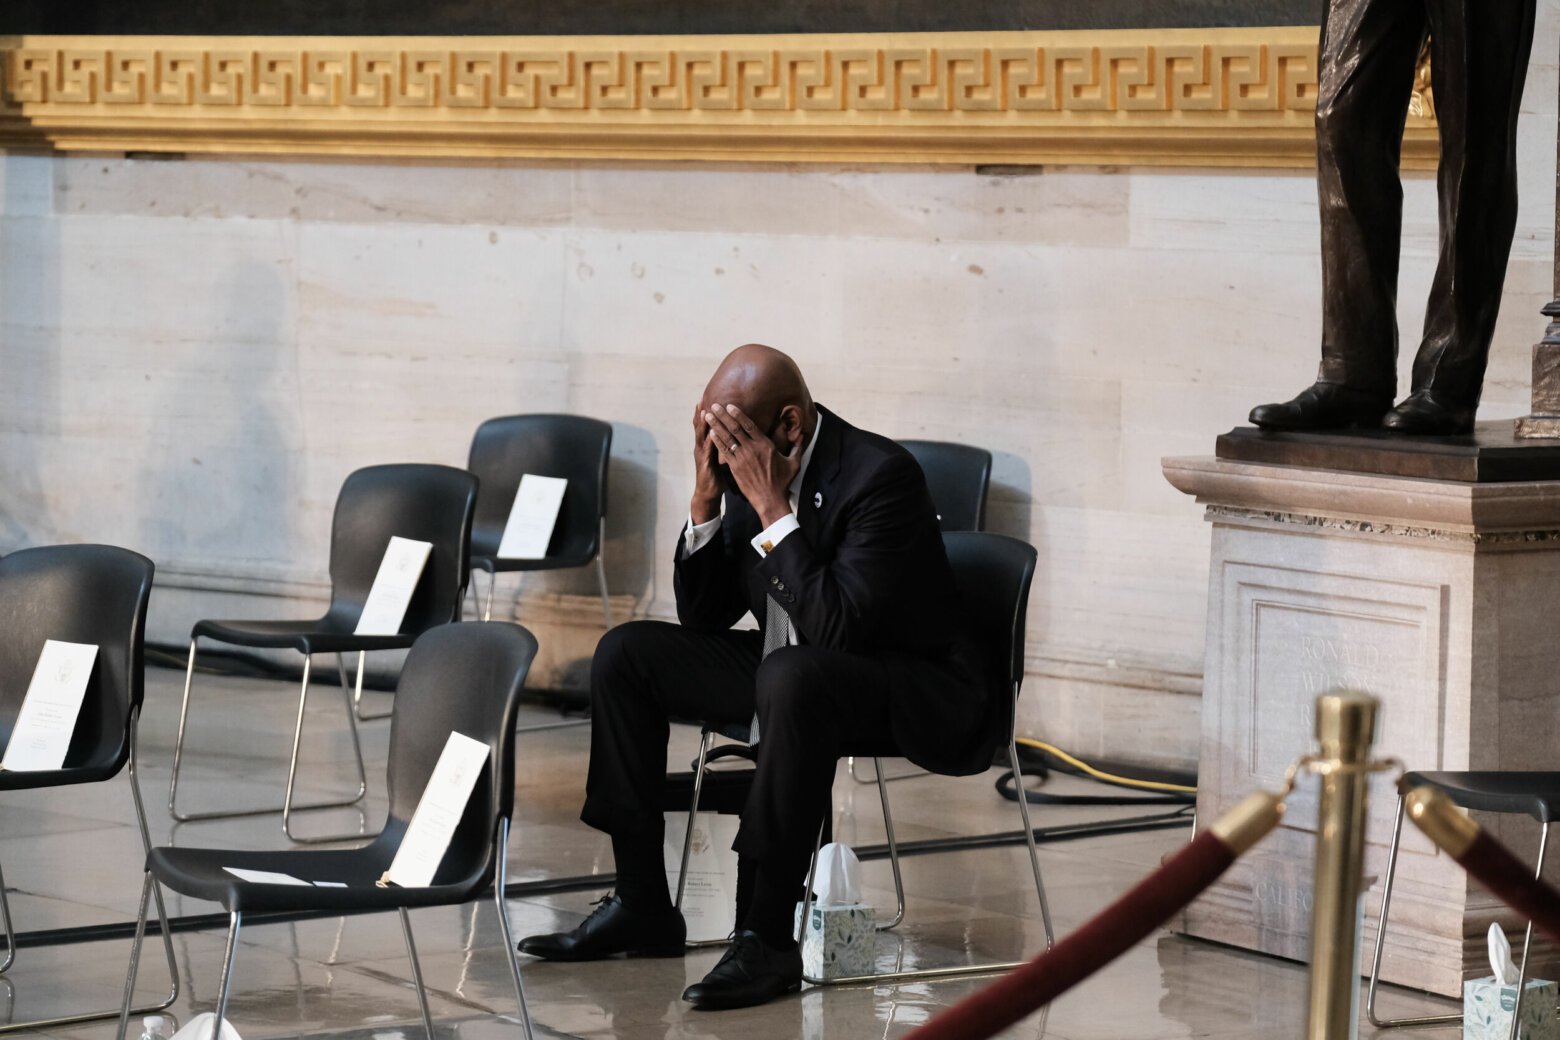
1077, 763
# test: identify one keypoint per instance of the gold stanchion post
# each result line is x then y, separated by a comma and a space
1345, 728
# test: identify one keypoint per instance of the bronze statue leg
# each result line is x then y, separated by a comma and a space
1478, 64
1368, 52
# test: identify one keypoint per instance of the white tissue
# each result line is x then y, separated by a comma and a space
838, 882
199, 1028
1500, 957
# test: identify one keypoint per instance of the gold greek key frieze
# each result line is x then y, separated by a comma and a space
1182, 96
1248, 77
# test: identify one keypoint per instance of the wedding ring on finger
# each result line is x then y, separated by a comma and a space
735, 445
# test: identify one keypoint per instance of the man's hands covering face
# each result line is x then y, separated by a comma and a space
762, 473
706, 478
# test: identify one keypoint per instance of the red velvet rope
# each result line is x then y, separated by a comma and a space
1513, 881
1125, 922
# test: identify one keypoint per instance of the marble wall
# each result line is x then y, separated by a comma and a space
194, 354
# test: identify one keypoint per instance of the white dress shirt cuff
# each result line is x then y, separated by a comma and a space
697, 536
764, 542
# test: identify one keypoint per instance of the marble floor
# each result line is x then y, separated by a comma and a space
71, 858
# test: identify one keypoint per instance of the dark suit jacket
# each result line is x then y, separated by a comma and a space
866, 574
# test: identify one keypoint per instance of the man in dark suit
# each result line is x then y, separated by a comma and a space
828, 536
1478, 63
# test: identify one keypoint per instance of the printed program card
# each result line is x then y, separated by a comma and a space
47, 717
532, 518
393, 587
438, 812
709, 903
265, 877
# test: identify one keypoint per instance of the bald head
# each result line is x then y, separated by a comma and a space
769, 388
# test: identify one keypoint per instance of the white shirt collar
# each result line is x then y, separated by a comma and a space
807, 454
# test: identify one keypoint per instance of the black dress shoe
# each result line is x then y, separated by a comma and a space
613, 928
751, 972
1324, 406
1421, 412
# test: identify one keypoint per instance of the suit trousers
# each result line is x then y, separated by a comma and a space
814, 705
1478, 63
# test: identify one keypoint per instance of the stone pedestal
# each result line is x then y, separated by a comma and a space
1442, 599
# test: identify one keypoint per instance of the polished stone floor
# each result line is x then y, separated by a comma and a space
71, 858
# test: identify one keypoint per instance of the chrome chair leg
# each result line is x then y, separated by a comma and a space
357, 691
501, 873
1029, 837
1381, 938
133, 768
487, 609
417, 978
706, 737
286, 808
292, 769
1527, 938
135, 956
227, 976
706, 741
964, 969
10, 933
178, 744
148, 885
601, 575
893, 848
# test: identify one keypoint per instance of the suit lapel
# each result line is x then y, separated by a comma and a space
816, 499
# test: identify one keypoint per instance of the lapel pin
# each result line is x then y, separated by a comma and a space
817, 499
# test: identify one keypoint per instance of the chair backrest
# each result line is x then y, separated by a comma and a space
412, 500
570, 446
77, 594
458, 678
958, 477
993, 573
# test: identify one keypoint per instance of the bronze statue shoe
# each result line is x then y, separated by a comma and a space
1324, 406
1422, 413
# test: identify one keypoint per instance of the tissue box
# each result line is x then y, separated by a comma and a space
1487, 1010
838, 941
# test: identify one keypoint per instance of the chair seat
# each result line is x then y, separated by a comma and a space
739, 731
1535, 793
318, 636
199, 873
11, 780
495, 563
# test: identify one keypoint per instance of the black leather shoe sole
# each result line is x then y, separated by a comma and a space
551, 952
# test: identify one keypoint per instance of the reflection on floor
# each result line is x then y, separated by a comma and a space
71, 858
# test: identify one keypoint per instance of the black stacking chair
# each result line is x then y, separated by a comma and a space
569, 446
993, 573
958, 476
426, 503
1517, 793
79, 594
458, 678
